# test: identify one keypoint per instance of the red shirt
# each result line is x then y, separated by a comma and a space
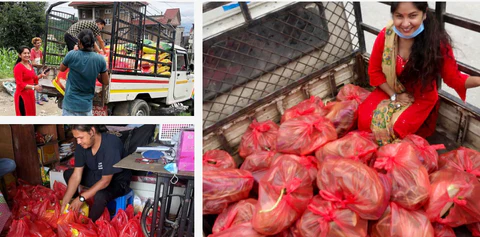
36, 54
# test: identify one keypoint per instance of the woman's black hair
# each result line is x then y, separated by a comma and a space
87, 39
20, 51
426, 59
88, 127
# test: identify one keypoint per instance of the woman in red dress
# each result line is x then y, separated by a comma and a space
26, 81
407, 58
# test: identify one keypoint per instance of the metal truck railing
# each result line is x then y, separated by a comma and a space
130, 28
267, 56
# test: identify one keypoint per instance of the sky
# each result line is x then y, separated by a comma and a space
154, 7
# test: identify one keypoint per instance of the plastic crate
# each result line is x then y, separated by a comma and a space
167, 131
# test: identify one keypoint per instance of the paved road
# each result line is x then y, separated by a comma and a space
465, 42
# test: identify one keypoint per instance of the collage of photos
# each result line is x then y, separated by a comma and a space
313, 118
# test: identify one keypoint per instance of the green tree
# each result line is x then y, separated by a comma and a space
20, 22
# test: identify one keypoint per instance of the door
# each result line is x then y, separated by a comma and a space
183, 83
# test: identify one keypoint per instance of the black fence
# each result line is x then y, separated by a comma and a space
246, 65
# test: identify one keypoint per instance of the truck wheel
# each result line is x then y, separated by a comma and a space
137, 107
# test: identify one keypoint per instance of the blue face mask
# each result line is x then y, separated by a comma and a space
413, 35
171, 167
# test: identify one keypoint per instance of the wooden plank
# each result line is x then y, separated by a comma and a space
6, 142
26, 157
448, 126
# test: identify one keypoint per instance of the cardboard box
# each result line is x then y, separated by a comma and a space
47, 153
186, 151
186, 146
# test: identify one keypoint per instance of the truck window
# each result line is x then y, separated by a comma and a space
181, 62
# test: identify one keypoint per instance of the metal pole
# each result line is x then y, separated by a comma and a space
245, 11
359, 21
440, 9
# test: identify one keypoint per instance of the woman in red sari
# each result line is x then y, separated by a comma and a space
26, 81
407, 58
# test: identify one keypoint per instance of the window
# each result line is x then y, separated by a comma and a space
181, 62
84, 14
97, 13
107, 21
108, 11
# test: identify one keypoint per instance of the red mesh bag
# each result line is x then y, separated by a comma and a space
343, 115
218, 159
241, 230
222, 187
129, 211
18, 228
474, 228
308, 162
323, 219
352, 92
387, 186
464, 159
443, 230
105, 215
235, 214
259, 162
105, 229
355, 145
81, 230
453, 198
426, 153
51, 214
410, 184
132, 229
303, 135
40, 228
398, 221
60, 189
312, 106
260, 136
119, 221
352, 185
64, 223
284, 193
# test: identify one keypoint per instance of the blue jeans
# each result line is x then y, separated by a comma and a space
71, 113
6, 166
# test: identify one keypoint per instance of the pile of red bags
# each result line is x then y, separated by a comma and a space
426, 153
259, 162
323, 218
237, 213
222, 187
303, 135
36, 212
397, 221
312, 106
357, 146
351, 187
260, 136
218, 159
464, 159
351, 184
410, 183
351, 92
284, 193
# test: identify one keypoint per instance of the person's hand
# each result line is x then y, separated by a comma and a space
38, 87
41, 75
64, 204
76, 204
75, 47
404, 99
